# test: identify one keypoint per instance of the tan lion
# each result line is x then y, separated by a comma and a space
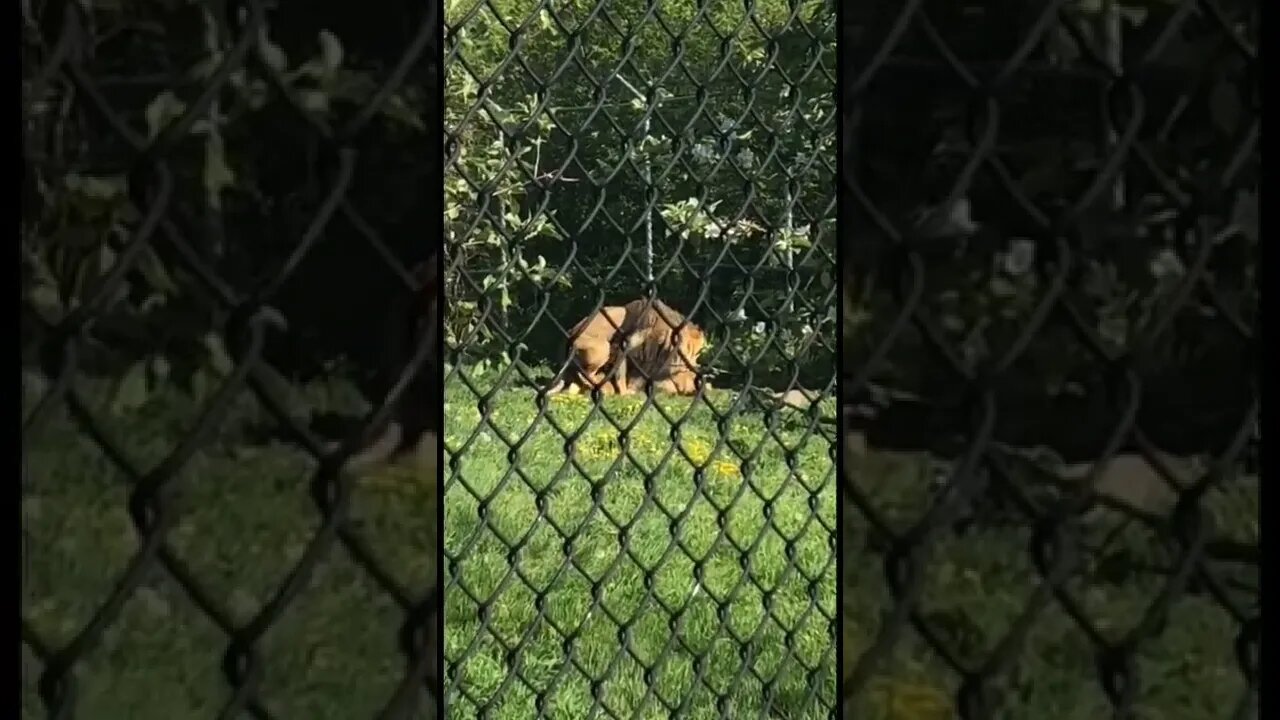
621, 349
661, 348
592, 348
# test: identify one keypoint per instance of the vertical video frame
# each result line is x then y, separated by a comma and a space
1050, 402
231, 360
640, 359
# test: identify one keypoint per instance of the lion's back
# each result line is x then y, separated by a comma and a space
657, 354
598, 326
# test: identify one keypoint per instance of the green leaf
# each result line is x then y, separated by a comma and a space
330, 52
106, 259
219, 359
271, 54
217, 174
397, 109
313, 101
96, 188
46, 302
159, 368
154, 271
161, 111
131, 393
201, 384
206, 66
1001, 287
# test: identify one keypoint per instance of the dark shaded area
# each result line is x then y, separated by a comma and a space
915, 129
213, 210
1095, 287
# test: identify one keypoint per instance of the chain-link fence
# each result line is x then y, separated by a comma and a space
1049, 397
651, 554
1049, 502
217, 198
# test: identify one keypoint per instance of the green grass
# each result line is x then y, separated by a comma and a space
246, 518
977, 584
673, 574
736, 612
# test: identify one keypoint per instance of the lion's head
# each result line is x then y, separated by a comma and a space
692, 341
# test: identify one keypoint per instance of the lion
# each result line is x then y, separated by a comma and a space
623, 349
662, 345
592, 352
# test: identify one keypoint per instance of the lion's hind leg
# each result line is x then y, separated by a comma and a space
617, 382
612, 381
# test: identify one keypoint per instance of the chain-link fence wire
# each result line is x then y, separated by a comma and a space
172, 567
647, 555
1049, 227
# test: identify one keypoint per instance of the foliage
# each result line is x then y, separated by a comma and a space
1134, 253
566, 139
83, 213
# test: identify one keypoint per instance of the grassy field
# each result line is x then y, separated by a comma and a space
548, 585
686, 573
247, 517
977, 584
749, 587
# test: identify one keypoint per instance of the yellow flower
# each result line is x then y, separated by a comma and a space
726, 469
699, 451
913, 701
643, 444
